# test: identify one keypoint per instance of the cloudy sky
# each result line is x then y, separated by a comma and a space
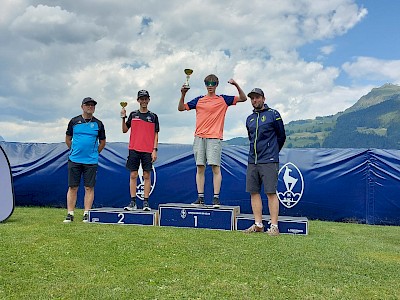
312, 58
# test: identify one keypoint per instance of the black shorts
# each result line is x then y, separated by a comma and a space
262, 173
136, 158
76, 170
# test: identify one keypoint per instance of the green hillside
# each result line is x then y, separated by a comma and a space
309, 133
377, 126
372, 122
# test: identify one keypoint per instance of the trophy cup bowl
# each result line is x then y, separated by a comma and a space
188, 72
123, 105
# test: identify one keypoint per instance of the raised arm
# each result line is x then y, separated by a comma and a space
181, 105
242, 95
123, 118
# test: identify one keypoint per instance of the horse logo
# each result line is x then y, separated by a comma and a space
290, 185
140, 184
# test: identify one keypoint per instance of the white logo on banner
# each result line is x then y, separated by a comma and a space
140, 186
183, 213
292, 191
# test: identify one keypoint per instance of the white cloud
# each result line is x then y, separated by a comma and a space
10, 9
326, 50
372, 69
27, 131
54, 53
47, 24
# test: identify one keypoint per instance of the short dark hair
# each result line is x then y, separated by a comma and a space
212, 78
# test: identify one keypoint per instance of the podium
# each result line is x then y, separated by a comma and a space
109, 215
192, 216
287, 225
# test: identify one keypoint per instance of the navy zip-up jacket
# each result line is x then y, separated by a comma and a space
266, 134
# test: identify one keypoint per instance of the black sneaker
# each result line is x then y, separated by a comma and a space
146, 206
85, 218
199, 201
216, 203
131, 206
69, 218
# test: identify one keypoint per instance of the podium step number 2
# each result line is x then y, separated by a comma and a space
120, 216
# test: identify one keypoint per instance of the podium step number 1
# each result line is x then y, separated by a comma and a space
186, 215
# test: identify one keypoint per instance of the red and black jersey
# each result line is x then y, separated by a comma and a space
143, 128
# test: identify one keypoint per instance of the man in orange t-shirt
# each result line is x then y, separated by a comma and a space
210, 117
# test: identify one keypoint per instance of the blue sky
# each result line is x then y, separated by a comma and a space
376, 35
311, 58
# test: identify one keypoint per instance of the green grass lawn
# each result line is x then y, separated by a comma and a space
42, 258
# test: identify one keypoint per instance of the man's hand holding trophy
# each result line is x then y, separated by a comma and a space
186, 85
123, 111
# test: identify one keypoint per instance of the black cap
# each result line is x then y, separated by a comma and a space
143, 93
256, 91
88, 99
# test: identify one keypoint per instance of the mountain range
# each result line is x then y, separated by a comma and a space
372, 122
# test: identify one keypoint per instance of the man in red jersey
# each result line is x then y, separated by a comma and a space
143, 144
210, 116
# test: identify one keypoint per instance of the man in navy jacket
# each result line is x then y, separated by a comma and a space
267, 135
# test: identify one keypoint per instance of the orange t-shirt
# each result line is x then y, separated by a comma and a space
210, 114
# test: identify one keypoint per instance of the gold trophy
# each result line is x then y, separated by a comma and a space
188, 72
123, 105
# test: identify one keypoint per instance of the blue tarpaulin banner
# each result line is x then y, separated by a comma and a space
353, 185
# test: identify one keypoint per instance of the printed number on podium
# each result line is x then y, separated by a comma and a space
121, 218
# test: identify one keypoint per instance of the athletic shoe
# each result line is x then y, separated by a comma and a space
199, 201
273, 231
146, 206
85, 218
69, 218
216, 203
131, 206
253, 229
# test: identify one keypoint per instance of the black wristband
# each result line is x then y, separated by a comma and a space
155, 149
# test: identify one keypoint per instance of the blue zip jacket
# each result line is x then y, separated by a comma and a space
266, 134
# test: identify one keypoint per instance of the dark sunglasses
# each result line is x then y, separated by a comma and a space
210, 83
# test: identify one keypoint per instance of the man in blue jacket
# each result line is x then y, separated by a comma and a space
267, 135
